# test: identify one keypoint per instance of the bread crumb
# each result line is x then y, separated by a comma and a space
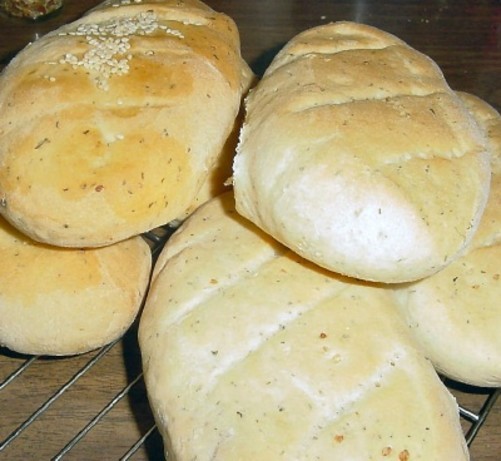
386, 451
404, 455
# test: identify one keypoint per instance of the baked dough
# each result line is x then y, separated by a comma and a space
110, 125
456, 314
61, 301
218, 180
357, 155
252, 353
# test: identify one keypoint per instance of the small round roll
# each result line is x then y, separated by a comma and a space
59, 301
356, 154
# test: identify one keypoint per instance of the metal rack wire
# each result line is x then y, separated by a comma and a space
92, 423
148, 440
475, 418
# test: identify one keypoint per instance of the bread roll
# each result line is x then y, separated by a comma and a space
218, 180
252, 353
356, 154
489, 119
60, 301
455, 314
110, 125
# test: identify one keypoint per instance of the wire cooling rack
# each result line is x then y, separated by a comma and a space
46, 412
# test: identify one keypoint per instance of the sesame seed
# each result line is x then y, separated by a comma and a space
108, 53
170, 31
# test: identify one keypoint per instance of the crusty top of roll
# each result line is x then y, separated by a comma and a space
356, 154
109, 125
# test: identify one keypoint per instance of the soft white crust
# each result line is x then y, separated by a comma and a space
356, 154
251, 352
110, 125
58, 301
456, 314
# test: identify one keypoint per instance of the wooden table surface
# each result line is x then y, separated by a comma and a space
463, 37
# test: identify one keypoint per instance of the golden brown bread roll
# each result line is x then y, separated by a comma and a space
219, 178
455, 314
63, 301
356, 154
252, 353
110, 125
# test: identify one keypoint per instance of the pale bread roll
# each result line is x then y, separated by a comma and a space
110, 125
489, 119
356, 154
60, 301
456, 314
252, 353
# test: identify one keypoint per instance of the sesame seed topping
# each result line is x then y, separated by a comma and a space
108, 54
